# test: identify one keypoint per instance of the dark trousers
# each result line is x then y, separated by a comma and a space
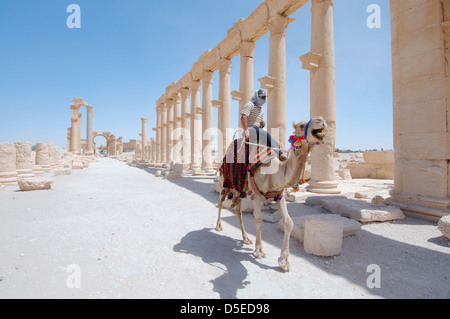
261, 136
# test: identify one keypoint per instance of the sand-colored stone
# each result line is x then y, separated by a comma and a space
8, 174
23, 159
350, 226
62, 171
322, 237
377, 164
444, 226
355, 209
43, 156
420, 51
35, 183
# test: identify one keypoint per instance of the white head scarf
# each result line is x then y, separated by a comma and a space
259, 98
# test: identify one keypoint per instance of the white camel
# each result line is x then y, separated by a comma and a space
266, 180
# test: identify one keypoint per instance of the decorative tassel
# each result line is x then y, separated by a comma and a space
230, 196
243, 195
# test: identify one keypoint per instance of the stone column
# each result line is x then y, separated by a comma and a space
177, 125
169, 131
23, 159
8, 174
421, 100
275, 82
196, 127
186, 154
164, 134
320, 62
69, 138
112, 146
53, 155
89, 137
42, 156
76, 133
224, 105
144, 139
119, 145
207, 121
246, 87
157, 155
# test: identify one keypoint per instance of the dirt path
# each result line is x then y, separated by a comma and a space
120, 232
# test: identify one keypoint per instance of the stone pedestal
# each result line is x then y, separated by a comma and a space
8, 174
323, 237
23, 159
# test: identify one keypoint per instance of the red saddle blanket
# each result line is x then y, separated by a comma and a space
237, 162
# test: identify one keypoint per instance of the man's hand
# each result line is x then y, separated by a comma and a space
263, 124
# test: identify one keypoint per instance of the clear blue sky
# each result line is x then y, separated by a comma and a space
127, 52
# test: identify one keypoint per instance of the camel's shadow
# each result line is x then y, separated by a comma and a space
218, 250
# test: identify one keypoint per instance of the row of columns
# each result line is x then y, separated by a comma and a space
320, 63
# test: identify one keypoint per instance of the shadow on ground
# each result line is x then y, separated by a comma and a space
407, 271
210, 247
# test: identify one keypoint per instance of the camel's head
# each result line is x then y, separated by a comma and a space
313, 131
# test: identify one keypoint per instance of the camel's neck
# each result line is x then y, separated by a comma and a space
293, 170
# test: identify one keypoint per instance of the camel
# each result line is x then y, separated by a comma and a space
267, 180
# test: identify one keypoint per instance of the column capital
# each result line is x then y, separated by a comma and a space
144, 120
185, 93
74, 107
207, 77
225, 65
176, 97
316, 3
195, 85
89, 108
247, 49
278, 24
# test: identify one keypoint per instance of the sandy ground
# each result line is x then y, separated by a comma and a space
132, 235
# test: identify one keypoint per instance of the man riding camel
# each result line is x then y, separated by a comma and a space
252, 120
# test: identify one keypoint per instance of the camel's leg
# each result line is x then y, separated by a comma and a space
219, 205
259, 253
245, 238
283, 261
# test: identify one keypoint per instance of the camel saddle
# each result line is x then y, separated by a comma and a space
241, 159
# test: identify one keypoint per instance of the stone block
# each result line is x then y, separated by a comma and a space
322, 237
35, 183
355, 209
423, 177
379, 157
271, 216
62, 171
444, 226
350, 226
77, 164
